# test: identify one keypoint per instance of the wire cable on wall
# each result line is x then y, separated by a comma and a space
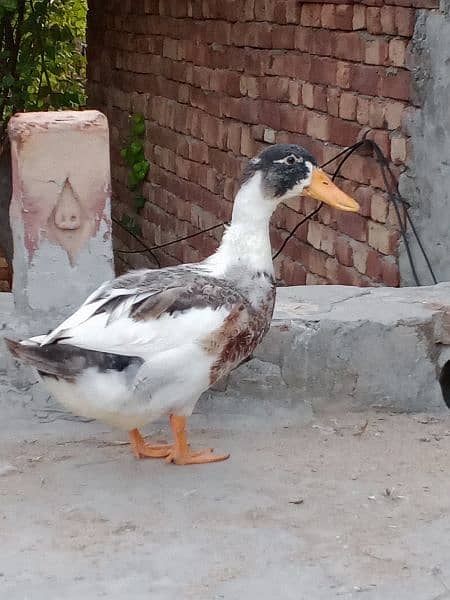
401, 207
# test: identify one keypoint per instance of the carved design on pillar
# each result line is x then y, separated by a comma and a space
69, 225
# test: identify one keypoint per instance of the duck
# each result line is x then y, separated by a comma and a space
148, 343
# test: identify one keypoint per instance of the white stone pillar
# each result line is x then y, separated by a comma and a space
60, 209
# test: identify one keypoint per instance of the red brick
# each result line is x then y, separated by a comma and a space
310, 15
242, 109
387, 19
377, 51
333, 101
321, 42
321, 237
198, 151
322, 70
247, 142
294, 119
269, 114
381, 238
295, 92
249, 86
347, 105
398, 149
360, 252
343, 133
359, 17
379, 208
344, 251
347, 46
253, 34
318, 125
343, 75
283, 37
308, 95
390, 274
353, 225
376, 113
397, 52
297, 66
374, 265
328, 16
292, 273
362, 110
304, 38
364, 197
393, 113
373, 17
337, 16
365, 79
405, 20
315, 279
396, 84
256, 62
381, 138
276, 88
225, 81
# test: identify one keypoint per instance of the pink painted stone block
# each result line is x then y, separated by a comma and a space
60, 207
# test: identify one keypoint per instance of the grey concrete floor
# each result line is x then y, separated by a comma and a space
332, 509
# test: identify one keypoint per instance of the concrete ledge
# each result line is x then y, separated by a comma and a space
329, 347
338, 346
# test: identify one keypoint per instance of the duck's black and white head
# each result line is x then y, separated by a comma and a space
285, 171
280, 173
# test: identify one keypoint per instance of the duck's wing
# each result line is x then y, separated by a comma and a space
146, 311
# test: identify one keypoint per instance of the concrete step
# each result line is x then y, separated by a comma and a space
344, 347
329, 347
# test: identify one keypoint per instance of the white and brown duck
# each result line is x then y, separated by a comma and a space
148, 343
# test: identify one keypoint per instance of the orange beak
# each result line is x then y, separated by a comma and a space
323, 189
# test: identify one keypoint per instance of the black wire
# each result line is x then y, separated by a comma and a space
146, 248
151, 248
394, 197
291, 234
391, 189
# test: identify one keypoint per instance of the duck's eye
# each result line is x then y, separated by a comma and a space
290, 160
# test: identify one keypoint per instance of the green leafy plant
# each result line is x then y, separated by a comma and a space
42, 58
138, 167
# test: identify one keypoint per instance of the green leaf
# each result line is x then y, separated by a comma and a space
7, 81
137, 125
139, 202
140, 169
136, 148
133, 181
8, 5
126, 220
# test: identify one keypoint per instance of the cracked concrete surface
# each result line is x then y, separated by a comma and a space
347, 506
316, 502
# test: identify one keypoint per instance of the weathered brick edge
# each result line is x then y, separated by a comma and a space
219, 80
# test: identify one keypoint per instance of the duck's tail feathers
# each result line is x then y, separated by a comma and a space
67, 361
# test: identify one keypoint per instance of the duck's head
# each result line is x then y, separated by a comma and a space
286, 171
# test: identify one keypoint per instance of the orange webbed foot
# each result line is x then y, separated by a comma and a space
180, 454
142, 449
195, 458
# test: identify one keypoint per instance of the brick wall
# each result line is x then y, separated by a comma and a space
217, 80
5, 273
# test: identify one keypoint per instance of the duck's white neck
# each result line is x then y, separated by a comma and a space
246, 242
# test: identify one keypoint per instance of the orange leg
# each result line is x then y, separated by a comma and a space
180, 453
143, 449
